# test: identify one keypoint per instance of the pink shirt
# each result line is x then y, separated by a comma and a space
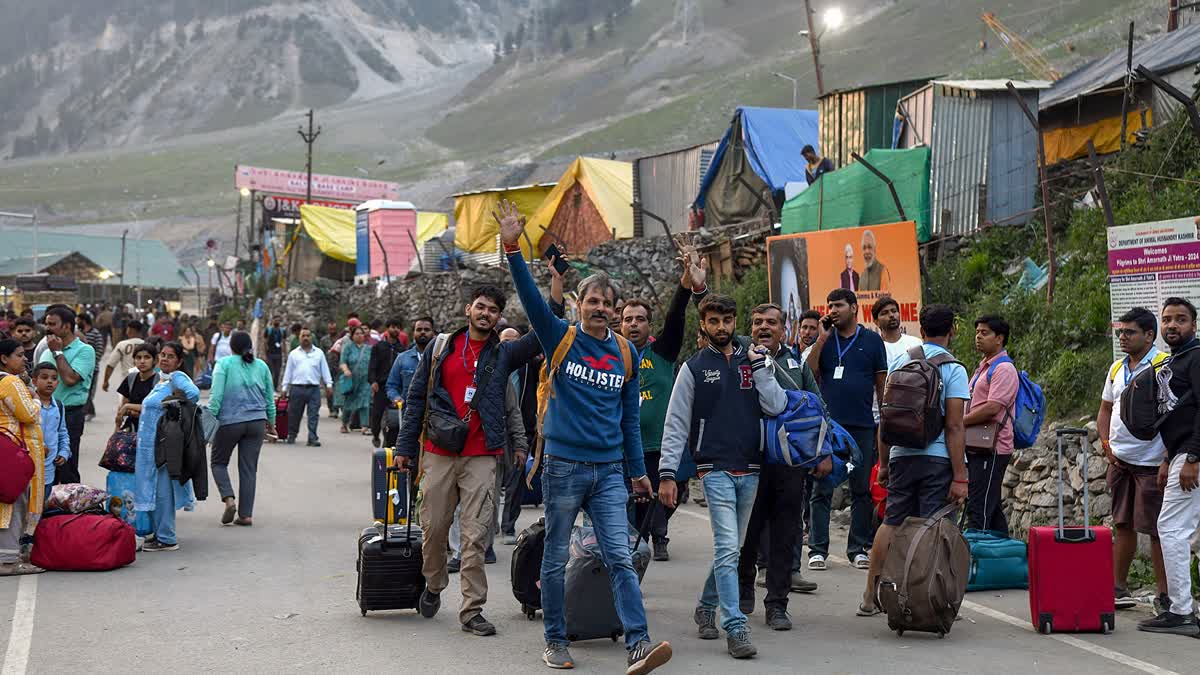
1001, 388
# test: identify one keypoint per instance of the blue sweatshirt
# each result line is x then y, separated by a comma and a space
54, 436
595, 414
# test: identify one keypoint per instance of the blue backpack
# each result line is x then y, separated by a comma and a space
803, 435
1029, 410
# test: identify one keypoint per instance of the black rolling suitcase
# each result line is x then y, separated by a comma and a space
590, 610
526, 571
389, 567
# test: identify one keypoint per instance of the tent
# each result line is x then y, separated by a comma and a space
762, 148
853, 196
475, 230
593, 202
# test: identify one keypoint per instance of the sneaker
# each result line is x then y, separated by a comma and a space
489, 557
816, 562
739, 644
1170, 622
230, 512
645, 657
760, 579
1124, 599
746, 599
802, 585
313, 444
706, 620
510, 540
556, 656
1162, 604
453, 565
478, 625
778, 619
862, 561
156, 545
139, 542
429, 604
660, 552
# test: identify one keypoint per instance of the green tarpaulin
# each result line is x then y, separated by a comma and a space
853, 196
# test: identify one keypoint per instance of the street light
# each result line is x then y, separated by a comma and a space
795, 82
245, 192
833, 19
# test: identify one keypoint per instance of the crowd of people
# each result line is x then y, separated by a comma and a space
619, 421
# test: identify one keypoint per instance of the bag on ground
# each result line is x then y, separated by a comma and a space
389, 567
910, 414
83, 542
525, 571
924, 577
997, 561
591, 611
76, 498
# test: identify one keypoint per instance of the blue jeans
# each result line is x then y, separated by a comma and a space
730, 501
861, 507
599, 490
162, 518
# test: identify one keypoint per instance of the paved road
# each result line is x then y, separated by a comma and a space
280, 596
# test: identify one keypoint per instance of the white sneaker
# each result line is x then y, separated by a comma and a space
862, 561
140, 542
816, 562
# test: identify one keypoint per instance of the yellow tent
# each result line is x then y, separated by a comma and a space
1071, 142
475, 230
591, 203
332, 230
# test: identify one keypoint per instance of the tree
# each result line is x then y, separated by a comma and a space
610, 24
591, 36
564, 42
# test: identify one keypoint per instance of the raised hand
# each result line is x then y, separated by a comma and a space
510, 220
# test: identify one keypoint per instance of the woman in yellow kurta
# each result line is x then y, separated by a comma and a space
20, 415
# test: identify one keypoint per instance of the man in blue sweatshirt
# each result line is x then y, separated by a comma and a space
592, 435
717, 408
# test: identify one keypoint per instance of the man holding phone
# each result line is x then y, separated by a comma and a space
850, 363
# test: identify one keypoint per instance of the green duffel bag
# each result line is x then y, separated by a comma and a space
997, 561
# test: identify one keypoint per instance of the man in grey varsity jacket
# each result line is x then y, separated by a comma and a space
720, 398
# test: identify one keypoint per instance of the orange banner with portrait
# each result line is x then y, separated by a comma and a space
872, 261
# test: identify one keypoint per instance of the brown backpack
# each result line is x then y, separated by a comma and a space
925, 575
910, 414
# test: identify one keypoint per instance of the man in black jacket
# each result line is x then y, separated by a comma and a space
383, 355
1179, 475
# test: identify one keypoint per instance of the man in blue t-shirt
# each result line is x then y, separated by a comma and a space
850, 363
922, 480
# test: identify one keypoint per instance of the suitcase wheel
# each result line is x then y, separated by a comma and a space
899, 632
1046, 627
1106, 627
364, 612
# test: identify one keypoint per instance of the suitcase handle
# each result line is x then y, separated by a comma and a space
1062, 535
411, 504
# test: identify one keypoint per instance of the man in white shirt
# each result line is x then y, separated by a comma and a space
895, 342
304, 378
121, 357
810, 328
1133, 463
220, 343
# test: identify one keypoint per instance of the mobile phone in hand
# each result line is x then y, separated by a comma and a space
553, 253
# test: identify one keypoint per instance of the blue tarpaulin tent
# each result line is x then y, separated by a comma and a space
762, 148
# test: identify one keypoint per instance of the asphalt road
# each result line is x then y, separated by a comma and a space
280, 597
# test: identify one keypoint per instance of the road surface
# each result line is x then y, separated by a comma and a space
280, 597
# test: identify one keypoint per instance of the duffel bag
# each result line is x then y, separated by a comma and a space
83, 542
997, 562
16, 467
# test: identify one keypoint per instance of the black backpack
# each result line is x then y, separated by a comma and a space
1144, 404
526, 569
910, 414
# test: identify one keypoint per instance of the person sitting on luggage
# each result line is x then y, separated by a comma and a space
155, 491
993, 390
55, 440
717, 408
19, 416
779, 505
1179, 474
591, 437
449, 387
1133, 463
920, 481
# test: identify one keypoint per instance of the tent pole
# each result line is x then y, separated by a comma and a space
820, 202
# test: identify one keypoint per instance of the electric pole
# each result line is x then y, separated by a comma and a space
309, 137
814, 43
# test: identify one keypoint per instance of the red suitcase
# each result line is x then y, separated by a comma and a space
1071, 568
281, 418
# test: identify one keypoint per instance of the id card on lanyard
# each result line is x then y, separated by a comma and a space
840, 369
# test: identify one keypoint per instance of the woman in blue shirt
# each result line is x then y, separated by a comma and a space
243, 399
156, 492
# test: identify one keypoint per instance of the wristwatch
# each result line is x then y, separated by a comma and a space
1192, 458
56, 354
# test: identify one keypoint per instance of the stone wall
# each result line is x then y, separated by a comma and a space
1030, 483
644, 268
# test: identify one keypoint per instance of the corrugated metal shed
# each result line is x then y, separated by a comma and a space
666, 185
983, 166
862, 118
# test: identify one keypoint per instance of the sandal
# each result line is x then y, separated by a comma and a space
366, 431
344, 429
18, 569
244, 522
230, 512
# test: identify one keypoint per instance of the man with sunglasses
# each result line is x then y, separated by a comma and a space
1133, 463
